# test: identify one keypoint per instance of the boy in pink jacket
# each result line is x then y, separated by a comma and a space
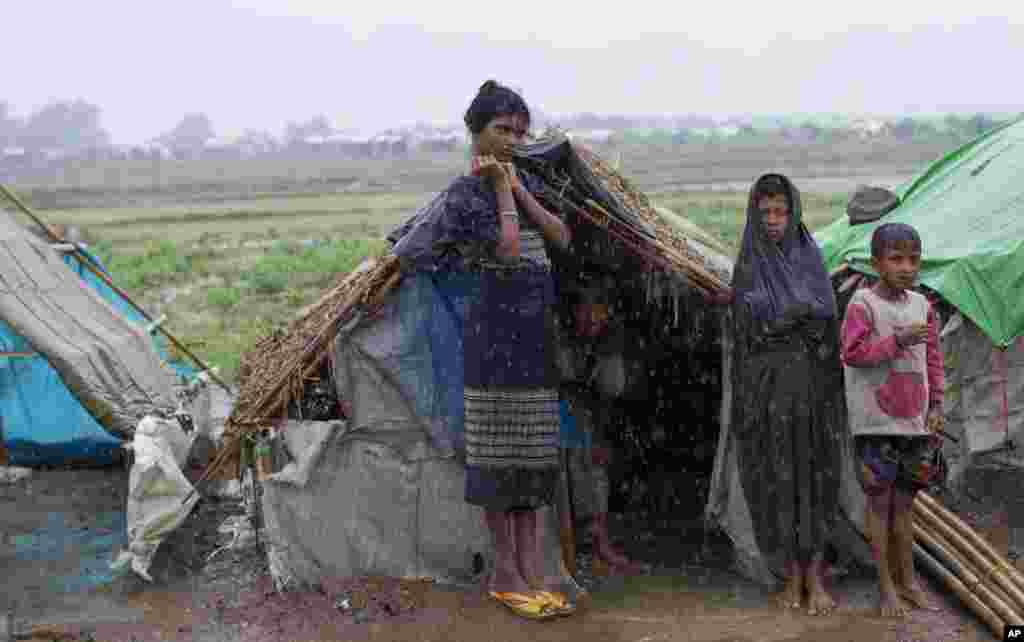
894, 386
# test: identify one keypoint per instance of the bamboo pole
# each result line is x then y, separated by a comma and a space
972, 555
95, 269
980, 542
994, 622
660, 256
947, 554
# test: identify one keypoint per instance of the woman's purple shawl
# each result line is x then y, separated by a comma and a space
773, 278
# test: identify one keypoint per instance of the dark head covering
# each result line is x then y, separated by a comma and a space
776, 279
493, 100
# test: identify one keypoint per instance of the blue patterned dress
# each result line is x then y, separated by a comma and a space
512, 415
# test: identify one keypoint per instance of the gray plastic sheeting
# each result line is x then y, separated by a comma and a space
109, 364
347, 506
379, 493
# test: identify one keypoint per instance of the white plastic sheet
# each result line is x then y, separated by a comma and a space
157, 487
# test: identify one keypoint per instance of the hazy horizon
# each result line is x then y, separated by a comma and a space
259, 65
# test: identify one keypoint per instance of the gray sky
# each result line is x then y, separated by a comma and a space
372, 64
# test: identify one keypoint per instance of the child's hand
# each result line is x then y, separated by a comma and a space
936, 420
912, 335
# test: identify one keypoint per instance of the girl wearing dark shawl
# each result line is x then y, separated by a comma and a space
788, 397
488, 225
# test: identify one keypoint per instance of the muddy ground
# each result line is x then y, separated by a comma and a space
61, 529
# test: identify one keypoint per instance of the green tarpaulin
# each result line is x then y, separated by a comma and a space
969, 209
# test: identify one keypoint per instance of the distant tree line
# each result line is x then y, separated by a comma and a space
74, 126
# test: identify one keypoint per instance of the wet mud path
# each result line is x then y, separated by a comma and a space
62, 528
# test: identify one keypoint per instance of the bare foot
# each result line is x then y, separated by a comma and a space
791, 596
819, 602
890, 604
917, 597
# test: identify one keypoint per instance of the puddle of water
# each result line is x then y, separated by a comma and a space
83, 553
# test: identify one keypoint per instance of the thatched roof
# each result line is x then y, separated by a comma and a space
678, 257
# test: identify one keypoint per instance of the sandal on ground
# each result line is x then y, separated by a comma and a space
532, 605
559, 601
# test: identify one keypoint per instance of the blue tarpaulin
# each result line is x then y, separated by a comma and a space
43, 422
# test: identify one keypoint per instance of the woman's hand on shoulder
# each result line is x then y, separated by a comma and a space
489, 168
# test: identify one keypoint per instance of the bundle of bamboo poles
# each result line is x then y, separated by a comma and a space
968, 565
276, 369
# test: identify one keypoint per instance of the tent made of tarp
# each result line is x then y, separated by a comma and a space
51, 308
968, 208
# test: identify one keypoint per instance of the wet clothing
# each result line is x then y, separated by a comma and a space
890, 389
788, 402
510, 385
909, 464
775, 279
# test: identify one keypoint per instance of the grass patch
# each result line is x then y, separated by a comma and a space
159, 264
290, 264
220, 341
287, 277
223, 298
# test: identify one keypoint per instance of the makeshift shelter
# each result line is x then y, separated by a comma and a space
969, 210
361, 396
43, 421
82, 376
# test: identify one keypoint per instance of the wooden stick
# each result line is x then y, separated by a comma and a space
87, 261
980, 542
947, 554
566, 531
994, 622
971, 554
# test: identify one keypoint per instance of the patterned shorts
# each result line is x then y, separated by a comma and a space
909, 464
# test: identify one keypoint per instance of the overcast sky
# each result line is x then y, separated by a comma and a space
370, 64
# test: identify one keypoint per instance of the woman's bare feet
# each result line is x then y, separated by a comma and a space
819, 602
890, 604
793, 593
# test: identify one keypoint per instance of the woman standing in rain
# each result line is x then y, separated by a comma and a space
488, 227
512, 414
789, 407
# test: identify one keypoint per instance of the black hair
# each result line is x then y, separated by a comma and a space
493, 100
889, 234
770, 185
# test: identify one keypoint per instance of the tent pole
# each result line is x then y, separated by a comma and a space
95, 269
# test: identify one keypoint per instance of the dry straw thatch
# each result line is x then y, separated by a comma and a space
274, 372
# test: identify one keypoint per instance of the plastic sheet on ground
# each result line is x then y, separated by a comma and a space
157, 487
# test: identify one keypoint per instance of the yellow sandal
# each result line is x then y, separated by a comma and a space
532, 605
559, 601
